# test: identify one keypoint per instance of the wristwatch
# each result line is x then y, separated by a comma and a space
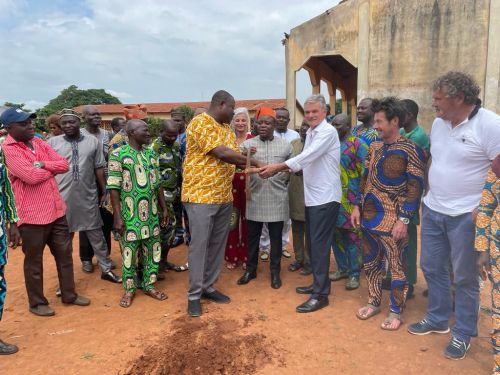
405, 220
37, 164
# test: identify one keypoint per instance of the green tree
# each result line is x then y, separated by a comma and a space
17, 105
72, 97
154, 124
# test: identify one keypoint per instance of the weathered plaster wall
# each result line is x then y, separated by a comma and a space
401, 46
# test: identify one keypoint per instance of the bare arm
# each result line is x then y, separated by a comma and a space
426, 175
232, 157
117, 215
163, 206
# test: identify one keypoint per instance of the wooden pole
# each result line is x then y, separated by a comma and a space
248, 191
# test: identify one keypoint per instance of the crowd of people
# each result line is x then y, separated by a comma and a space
232, 187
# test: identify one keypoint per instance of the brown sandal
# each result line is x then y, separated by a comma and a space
363, 313
126, 300
156, 294
387, 323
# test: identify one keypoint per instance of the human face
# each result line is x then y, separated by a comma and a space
70, 126
343, 127
387, 130
364, 111
445, 107
226, 111
92, 117
240, 123
180, 121
141, 134
282, 120
55, 129
169, 135
265, 125
22, 131
314, 114
120, 125
304, 127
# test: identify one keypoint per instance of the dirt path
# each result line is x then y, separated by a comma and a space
259, 332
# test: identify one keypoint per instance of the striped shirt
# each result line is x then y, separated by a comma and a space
38, 200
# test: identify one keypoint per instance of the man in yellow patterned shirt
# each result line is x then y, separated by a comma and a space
211, 156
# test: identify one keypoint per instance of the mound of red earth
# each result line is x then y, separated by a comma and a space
198, 346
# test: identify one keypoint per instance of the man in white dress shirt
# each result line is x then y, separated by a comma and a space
322, 192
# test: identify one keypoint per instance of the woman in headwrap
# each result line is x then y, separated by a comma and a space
236, 247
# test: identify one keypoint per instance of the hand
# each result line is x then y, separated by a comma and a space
14, 236
269, 170
474, 215
483, 264
164, 218
104, 199
118, 226
356, 217
399, 231
253, 150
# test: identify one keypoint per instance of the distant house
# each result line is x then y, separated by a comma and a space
163, 110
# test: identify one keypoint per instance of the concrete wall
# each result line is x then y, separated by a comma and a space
400, 46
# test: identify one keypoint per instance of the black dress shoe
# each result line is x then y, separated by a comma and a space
87, 266
247, 276
312, 304
194, 308
304, 289
275, 281
110, 276
216, 296
6, 349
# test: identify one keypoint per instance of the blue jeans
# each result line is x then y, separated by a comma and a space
446, 238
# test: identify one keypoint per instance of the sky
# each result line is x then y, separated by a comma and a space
149, 50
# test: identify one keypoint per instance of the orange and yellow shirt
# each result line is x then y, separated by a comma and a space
207, 179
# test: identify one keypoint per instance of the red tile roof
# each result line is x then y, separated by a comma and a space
250, 104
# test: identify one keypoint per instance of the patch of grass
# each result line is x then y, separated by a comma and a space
87, 355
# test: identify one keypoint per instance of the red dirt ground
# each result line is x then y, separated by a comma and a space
259, 332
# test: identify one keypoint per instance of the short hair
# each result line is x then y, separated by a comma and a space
87, 107
317, 98
116, 121
239, 111
131, 125
282, 109
411, 106
53, 119
458, 82
343, 117
177, 111
392, 107
168, 124
220, 97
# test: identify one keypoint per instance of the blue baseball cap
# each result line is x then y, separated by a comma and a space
15, 115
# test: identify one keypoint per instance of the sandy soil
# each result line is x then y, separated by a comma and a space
259, 332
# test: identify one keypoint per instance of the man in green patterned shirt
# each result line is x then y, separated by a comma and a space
136, 193
169, 156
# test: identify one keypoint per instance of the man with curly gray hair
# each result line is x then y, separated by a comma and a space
465, 138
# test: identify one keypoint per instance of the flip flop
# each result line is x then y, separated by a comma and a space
126, 300
386, 324
156, 294
365, 315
